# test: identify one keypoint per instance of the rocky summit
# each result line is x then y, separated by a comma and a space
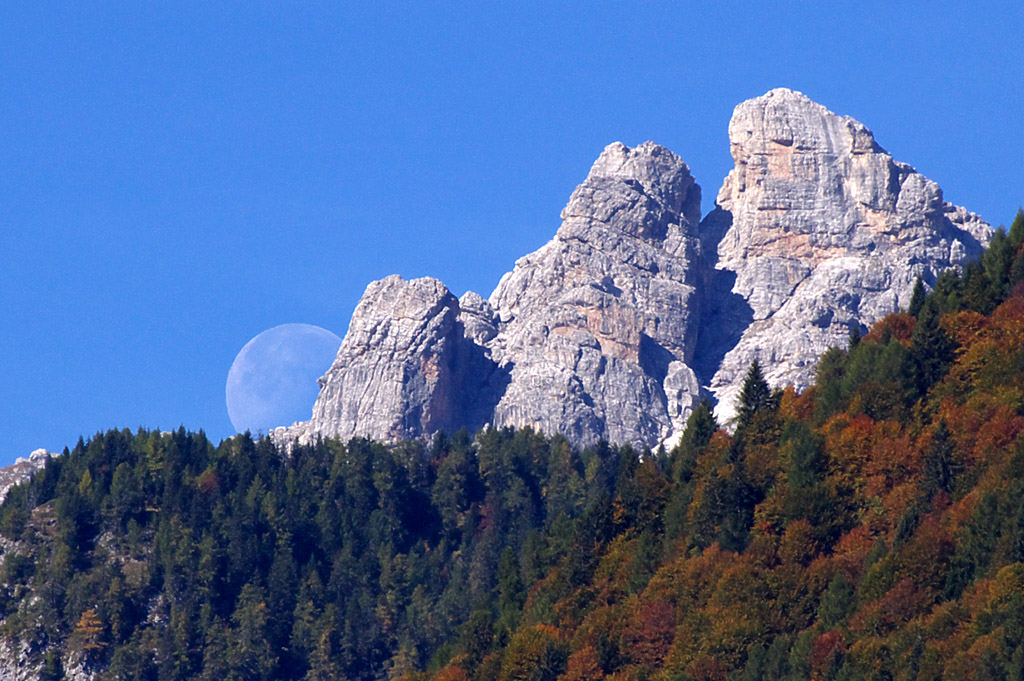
637, 308
821, 232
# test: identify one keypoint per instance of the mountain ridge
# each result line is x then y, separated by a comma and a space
638, 307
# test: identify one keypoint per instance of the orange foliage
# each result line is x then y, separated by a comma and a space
997, 433
583, 665
650, 637
850, 552
899, 325
611, 578
898, 606
707, 668
208, 482
606, 620
798, 545
452, 673
798, 407
925, 559
88, 631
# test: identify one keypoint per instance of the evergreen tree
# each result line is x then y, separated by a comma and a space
931, 348
917, 298
700, 426
1016, 233
853, 339
250, 654
937, 473
836, 602
755, 396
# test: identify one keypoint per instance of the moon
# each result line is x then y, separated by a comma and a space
273, 380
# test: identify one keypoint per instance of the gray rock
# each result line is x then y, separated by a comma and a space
599, 325
636, 307
22, 470
821, 231
412, 363
393, 376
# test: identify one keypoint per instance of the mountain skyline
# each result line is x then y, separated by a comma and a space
176, 182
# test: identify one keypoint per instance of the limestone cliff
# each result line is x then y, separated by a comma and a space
405, 367
598, 326
636, 308
821, 231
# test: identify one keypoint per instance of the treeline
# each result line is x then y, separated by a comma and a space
159, 556
871, 527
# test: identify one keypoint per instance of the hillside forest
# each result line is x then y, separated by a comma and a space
871, 527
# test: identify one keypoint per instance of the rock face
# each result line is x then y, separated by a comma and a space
22, 470
822, 231
403, 366
598, 327
590, 336
637, 308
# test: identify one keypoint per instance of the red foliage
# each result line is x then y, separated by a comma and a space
650, 637
824, 649
896, 608
453, 673
850, 551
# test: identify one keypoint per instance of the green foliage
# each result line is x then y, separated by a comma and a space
336, 560
755, 397
872, 527
917, 298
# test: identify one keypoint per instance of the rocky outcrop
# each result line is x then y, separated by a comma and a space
590, 336
400, 368
598, 327
22, 470
637, 308
821, 231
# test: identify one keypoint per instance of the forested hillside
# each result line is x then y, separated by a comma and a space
869, 528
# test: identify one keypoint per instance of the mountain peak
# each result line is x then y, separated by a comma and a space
822, 231
637, 308
638, 191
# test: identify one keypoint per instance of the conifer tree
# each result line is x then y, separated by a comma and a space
1017, 229
936, 475
755, 396
917, 298
931, 347
700, 426
853, 340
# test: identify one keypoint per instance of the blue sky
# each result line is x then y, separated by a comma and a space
178, 177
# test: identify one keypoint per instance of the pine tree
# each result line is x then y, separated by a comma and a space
250, 653
323, 663
917, 298
1017, 229
931, 348
700, 426
997, 262
936, 475
52, 669
853, 339
836, 602
755, 396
